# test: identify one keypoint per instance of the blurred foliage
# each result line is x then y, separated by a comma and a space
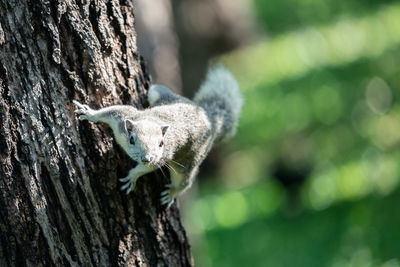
321, 103
279, 16
349, 234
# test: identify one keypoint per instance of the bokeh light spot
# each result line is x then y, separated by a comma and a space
230, 209
378, 95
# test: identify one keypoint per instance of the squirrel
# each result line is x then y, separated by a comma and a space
174, 131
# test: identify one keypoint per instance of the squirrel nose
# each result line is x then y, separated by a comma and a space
145, 159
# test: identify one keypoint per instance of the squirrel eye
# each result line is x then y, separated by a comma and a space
161, 143
132, 140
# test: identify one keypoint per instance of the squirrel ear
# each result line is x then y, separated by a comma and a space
164, 129
129, 125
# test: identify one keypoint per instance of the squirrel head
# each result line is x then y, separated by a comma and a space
145, 142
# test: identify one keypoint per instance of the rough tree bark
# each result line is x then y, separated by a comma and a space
60, 203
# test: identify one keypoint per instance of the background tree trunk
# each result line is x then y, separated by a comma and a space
60, 202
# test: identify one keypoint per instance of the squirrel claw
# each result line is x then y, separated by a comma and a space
83, 110
83, 117
167, 197
81, 106
129, 185
125, 179
76, 103
165, 193
122, 188
129, 190
167, 201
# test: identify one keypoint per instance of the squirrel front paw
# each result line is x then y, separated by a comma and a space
129, 185
168, 195
85, 112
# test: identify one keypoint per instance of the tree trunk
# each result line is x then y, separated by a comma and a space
60, 202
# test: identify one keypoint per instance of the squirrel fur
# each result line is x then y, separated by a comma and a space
174, 131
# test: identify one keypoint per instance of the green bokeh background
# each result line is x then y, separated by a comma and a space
322, 100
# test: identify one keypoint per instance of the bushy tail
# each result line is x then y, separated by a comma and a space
219, 95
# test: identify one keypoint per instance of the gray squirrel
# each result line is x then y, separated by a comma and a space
174, 131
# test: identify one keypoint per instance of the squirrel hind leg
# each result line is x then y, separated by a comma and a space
160, 94
180, 182
153, 95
